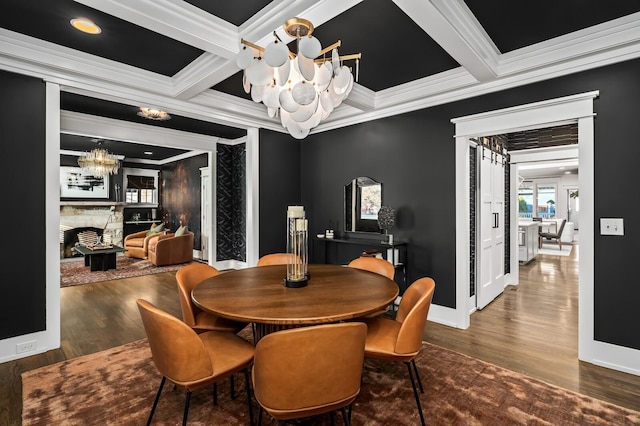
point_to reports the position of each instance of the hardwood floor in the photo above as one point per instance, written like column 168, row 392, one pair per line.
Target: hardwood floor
column 531, row 328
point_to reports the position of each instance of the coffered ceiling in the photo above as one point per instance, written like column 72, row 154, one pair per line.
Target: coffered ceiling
column 180, row 55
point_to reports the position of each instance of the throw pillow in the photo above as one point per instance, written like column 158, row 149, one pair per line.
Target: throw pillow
column 155, row 230
column 181, row 231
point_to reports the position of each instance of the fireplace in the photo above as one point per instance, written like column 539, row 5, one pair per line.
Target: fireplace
column 105, row 218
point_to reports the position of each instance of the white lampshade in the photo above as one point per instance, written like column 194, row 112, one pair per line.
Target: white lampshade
column 259, row 73
column 304, row 93
column 276, row 54
column 310, row 47
column 286, row 101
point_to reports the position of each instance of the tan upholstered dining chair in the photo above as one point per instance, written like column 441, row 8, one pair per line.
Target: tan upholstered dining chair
column 400, row 339
column 275, row 259
column 190, row 360
column 188, row 277
column 379, row 266
column 309, row 371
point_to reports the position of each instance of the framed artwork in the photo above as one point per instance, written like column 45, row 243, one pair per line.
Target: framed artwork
column 77, row 183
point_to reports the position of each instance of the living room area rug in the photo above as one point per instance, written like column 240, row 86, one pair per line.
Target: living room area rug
column 552, row 249
column 118, row 386
column 73, row 272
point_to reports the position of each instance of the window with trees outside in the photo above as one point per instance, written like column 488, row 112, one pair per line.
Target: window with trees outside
column 544, row 195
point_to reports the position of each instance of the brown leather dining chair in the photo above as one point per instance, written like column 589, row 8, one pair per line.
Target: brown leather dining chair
column 190, row 360
column 400, row 339
column 308, row 371
column 275, row 259
column 188, row 277
column 379, row 266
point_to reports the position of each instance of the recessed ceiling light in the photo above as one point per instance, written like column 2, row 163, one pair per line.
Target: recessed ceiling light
column 148, row 152
column 85, row 25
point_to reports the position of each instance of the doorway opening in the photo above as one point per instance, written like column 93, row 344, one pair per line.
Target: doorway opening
column 572, row 109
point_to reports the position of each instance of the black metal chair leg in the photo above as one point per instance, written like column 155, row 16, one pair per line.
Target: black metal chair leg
column 333, row 420
column 155, row 403
column 233, row 391
column 347, row 418
column 248, row 390
column 260, row 416
column 186, row 409
column 415, row 393
column 415, row 368
column 215, row 393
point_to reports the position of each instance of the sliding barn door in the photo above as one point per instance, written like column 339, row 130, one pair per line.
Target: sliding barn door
column 491, row 242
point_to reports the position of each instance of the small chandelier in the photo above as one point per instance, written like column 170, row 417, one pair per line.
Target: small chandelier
column 302, row 89
column 153, row 114
column 99, row 162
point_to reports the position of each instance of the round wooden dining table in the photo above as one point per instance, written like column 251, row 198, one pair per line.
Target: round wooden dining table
column 258, row 295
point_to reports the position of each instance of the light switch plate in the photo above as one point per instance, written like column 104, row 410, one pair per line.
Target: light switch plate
column 611, row 226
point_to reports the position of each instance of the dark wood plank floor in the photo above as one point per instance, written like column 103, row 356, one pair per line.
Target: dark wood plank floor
column 531, row 328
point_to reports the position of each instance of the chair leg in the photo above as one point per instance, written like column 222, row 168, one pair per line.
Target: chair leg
column 347, row 418
column 215, row 393
column 415, row 369
column 260, row 416
column 248, row 390
column 560, row 243
column 186, row 409
column 415, row 393
column 233, row 391
column 155, row 403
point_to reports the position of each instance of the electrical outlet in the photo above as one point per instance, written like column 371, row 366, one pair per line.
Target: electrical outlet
column 29, row 346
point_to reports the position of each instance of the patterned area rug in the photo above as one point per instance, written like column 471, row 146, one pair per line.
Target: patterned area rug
column 73, row 272
column 117, row 386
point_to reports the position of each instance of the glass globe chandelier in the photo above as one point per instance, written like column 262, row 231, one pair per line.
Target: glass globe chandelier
column 99, row 162
column 301, row 89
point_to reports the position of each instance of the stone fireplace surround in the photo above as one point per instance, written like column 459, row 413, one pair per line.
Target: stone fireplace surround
column 80, row 215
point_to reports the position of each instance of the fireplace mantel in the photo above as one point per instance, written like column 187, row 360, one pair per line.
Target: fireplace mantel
column 91, row 203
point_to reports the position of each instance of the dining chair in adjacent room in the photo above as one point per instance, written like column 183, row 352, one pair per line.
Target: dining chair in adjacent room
column 400, row 339
column 188, row 277
column 308, row 371
column 190, row 360
column 275, row 259
column 553, row 235
column 379, row 266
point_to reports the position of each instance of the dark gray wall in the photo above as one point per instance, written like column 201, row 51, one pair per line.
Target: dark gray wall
column 22, row 130
column 413, row 156
column 279, row 188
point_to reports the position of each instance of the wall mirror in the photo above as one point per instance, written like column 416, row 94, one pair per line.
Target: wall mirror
column 362, row 200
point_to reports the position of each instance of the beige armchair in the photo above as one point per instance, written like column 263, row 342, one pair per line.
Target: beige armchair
column 170, row 249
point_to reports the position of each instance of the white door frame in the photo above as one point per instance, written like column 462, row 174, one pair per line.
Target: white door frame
column 571, row 109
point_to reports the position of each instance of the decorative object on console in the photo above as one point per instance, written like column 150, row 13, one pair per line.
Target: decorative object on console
column 386, row 220
column 297, row 247
column 302, row 89
column 99, row 162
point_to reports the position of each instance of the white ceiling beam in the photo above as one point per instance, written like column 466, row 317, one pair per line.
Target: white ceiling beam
column 452, row 25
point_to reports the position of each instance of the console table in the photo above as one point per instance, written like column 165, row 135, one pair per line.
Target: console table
column 340, row 251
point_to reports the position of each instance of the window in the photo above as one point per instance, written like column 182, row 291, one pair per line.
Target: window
column 141, row 186
column 545, row 196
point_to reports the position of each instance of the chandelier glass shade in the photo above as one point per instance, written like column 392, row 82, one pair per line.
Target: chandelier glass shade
column 301, row 89
column 99, row 162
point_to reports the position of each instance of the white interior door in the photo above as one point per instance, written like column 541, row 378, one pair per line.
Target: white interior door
column 491, row 228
